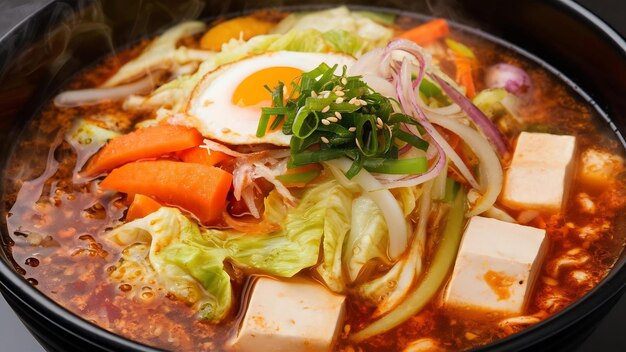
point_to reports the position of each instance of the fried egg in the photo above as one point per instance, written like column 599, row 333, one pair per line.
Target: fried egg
column 226, row 105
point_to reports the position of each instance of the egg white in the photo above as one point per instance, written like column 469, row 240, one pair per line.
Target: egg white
column 211, row 109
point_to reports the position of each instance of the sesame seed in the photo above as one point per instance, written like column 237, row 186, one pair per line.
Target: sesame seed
column 313, row 94
column 352, row 129
column 338, row 115
column 325, row 109
column 340, row 93
column 332, row 119
column 363, row 102
column 344, row 81
column 324, row 139
column 225, row 130
column 325, row 122
column 353, row 101
column 379, row 121
column 339, row 100
column 323, row 92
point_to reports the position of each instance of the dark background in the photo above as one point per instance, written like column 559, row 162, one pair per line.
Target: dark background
column 610, row 335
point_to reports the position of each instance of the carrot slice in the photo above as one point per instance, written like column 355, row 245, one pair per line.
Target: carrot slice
column 197, row 188
column 141, row 206
column 202, row 156
column 149, row 142
column 464, row 75
column 427, row 32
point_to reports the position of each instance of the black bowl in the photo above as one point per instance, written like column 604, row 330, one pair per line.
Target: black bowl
column 51, row 45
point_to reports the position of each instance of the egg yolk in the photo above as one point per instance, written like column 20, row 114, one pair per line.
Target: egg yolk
column 251, row 91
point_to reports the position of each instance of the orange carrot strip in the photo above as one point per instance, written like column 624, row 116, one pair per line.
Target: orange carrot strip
column 201, row 156
column 141, row 206
column 197, row 188
column 464, row 75
column 150, row 142
column 427, row 32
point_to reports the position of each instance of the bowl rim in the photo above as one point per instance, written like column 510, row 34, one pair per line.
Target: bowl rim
column 612, row 285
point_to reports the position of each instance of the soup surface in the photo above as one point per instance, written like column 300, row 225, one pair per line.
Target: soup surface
column 215, row 159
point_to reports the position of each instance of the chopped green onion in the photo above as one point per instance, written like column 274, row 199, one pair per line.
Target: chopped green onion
column 300, row 177
column 366, row 142
column 430, row 90
column 341, row 116
column 452, row 188
column 400, row 167
column 413, row 140
column 262, row 127
column 356, row 166
column 305, row 123
column 316, row 156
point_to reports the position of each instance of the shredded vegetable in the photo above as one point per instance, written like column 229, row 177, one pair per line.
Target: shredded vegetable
column 442, row 263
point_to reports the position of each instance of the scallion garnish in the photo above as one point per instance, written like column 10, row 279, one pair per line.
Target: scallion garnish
column 332, row 116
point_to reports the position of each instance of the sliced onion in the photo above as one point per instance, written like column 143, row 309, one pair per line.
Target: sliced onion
column 449, row 110
column 491, row 173
column 386, row 202
column 248, row 197
column 497, row 213
column 409, row 47
column 262, row 171
column 477, row 116
column 368, row 63
column 380, row 85
column 92, row 96
column 507, row 76
column 408, row 100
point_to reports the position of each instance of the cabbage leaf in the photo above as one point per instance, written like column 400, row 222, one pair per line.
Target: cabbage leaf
column 368, row 236
column 332, row 209
column 188, row 261
column 341, row 20
column 182, row 263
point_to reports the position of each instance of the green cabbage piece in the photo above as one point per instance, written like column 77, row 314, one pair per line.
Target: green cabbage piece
column 368, row 236
column 342, row 20
column 188, row 261
column 86, row 137
column 332, row 209
column 344, row 41
column 181, row 260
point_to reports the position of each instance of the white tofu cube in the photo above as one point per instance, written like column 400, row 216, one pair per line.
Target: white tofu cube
column 598, row 168
column 295, row 315
column 497, row 265
column 540, row 173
